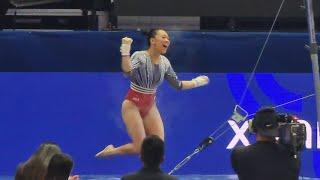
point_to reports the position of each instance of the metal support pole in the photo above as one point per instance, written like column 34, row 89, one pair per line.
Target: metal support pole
column 314, row 55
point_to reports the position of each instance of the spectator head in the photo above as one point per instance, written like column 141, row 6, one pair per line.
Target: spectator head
column 59, row 167
column 19, row 172
column 36, row 166
column 31, row 170
column 265, row 122
column 152, row 151
column 46, row 151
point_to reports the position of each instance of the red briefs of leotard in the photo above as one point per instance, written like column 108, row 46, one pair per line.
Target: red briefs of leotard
column 143, row 101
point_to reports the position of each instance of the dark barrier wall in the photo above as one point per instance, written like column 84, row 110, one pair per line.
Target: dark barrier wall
column 81, row 110
column 226, row 8
column 189, row 51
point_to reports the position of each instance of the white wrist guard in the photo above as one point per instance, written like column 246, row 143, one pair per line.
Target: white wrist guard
column 125, row 49
column 196, row 83
column 200, row 81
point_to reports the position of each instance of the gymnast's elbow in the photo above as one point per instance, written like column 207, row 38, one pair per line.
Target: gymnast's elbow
column 178, row 85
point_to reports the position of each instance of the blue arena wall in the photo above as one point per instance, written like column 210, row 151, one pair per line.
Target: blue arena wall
column 67, row 87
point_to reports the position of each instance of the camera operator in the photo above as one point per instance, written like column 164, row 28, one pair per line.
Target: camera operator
column 266, row 159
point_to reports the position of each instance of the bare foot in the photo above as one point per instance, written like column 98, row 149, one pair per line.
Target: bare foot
column 107, row 151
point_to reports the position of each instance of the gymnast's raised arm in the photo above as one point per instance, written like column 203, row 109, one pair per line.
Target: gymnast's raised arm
column 125, row 54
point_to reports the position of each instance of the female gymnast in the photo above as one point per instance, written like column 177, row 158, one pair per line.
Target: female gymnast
column 147, row 70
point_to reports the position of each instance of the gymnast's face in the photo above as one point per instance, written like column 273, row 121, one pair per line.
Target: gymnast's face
column 160, row 42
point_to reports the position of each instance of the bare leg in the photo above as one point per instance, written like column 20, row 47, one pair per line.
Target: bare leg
column 135, row 129
column 153, row 123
